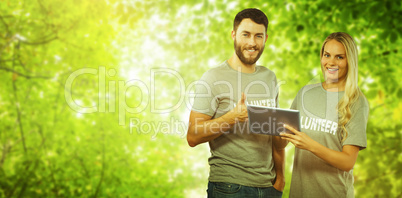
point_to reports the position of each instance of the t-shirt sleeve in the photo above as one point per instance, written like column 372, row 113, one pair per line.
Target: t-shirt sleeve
column 357, row 125
column 204, row 100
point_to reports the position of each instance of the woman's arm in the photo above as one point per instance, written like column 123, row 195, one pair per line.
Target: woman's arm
column 344, row 160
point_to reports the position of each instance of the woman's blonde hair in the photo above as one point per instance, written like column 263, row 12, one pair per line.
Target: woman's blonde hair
column 352, row 90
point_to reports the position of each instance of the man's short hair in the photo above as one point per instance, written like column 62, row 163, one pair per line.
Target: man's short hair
column 254, row 14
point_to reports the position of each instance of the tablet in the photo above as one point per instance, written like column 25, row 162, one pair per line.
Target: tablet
column 269, row 121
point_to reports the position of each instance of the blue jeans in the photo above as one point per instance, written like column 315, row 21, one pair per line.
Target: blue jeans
column 229, row 190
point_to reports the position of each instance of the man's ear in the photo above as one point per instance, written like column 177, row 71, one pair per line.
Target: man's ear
column 233, row 34
column 266, row 38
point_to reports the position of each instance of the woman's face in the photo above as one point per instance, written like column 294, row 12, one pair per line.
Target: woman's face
column 334, row 63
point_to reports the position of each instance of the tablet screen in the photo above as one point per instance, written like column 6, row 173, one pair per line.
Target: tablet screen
column 269, row 121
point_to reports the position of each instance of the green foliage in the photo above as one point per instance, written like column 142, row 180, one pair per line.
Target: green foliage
column 48, row 149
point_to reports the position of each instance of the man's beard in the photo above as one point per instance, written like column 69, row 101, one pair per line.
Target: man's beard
column 244, row 60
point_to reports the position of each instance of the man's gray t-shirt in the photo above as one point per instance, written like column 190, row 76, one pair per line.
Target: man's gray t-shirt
column 238, row 156
column 313, row 177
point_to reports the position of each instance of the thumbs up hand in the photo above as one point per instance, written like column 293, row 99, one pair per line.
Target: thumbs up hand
column 239, row 113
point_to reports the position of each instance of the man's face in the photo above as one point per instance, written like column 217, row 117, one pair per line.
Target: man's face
column 249, row 41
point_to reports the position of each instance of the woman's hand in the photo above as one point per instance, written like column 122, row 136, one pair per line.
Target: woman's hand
column 343, row 160
column 299, row 139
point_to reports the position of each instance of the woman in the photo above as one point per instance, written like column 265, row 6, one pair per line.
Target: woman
column 334, row 117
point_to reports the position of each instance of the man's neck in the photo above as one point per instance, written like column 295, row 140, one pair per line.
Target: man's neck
column 236, row 64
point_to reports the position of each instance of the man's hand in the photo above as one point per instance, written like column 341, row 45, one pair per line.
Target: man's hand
column 278, row 154
column 239, row 113
column 279, row 184
column 202, row 129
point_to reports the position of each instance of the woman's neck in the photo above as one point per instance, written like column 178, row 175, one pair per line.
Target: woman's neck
column 334, row 86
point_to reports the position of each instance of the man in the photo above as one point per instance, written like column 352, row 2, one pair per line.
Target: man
column 241, row 163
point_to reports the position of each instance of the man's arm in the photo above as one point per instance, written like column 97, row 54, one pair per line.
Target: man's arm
column 202, row 129
column 278, row 154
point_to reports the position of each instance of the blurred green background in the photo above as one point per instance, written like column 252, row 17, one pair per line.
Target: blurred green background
column 95, row 95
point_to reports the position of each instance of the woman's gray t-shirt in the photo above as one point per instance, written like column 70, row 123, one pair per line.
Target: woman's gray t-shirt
column 312, row 176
